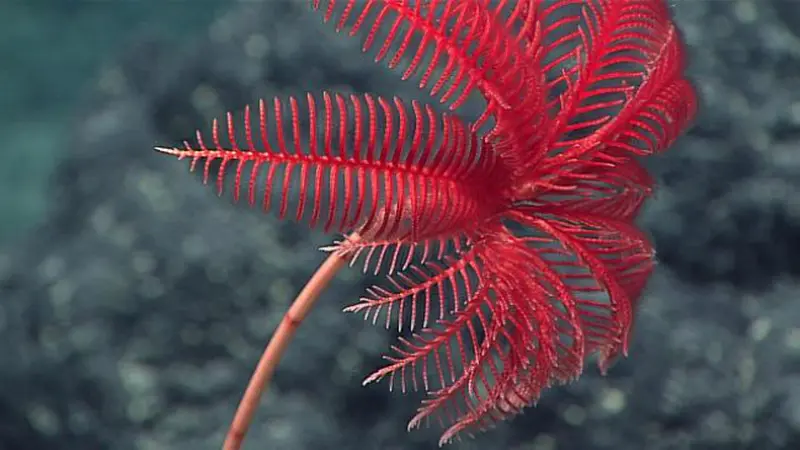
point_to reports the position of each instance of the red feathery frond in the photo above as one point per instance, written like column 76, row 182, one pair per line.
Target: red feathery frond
column 463, row 41
column 394, row 180
column 512, row 255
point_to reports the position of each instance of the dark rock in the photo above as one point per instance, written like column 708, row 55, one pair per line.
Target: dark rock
column 133, row 317
column 727, row 209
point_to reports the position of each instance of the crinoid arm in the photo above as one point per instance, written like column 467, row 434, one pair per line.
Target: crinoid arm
column 358, row 163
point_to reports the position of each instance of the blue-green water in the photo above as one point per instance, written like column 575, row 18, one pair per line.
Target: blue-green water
column 50, row 54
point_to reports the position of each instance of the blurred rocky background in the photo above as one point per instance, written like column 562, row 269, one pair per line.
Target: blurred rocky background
column 134, row 303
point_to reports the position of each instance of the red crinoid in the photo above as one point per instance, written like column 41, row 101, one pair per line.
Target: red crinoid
column 509, row 243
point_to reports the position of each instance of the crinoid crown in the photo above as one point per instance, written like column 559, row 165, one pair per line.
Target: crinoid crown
column 510, row 242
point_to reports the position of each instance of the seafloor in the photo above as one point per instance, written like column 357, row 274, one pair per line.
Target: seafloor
column 134, row 303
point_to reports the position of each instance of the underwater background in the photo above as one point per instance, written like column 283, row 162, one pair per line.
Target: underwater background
column 134, row 303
